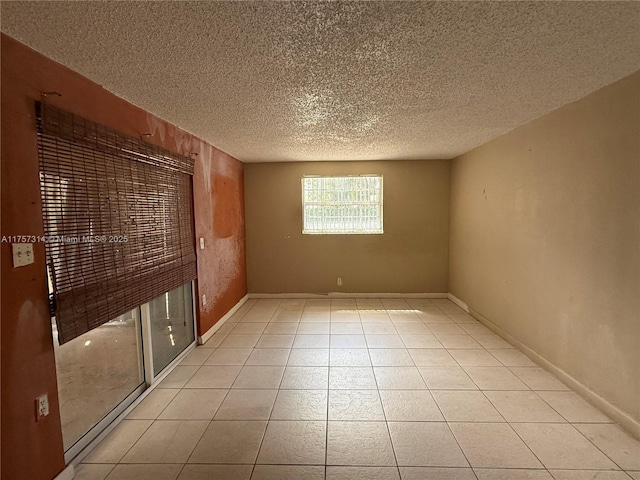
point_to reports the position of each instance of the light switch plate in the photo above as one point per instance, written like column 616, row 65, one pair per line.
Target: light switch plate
column 201, row 243
column 22, row 254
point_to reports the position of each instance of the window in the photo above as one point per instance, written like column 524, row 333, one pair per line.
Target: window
column 342, row 205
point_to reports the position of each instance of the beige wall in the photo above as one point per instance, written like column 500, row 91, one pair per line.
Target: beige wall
column 545, row 238
column 411, row 255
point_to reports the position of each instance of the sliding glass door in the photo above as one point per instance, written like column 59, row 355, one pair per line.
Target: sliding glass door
column 101, row 372
column 170, row 325
column 96, row 372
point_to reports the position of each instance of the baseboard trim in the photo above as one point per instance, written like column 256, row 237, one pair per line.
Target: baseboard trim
column 458, row 302
column 348, row 295
column 617, row 415
column 216, row 326
column 67, row 474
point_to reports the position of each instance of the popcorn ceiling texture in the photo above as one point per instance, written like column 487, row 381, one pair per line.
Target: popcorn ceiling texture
column 281, row 81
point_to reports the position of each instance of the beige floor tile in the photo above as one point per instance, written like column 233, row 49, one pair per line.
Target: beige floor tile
column 410, row 406
column 495, row 378
column 194, row 404
column 312, row 328
column 372, row 316
column 420, row 341
column 538, row 378
column 359, row 443
column 347, row 341
column 589, row 475
column 118, row 442
column 215, row 340
column 462, row 318
column 300, row 405
column 252, row 376
column 466, row 406
column 347, row 328
column 249, row 328
column 429, row 318
column 311, row 341
column 288, row 472
column 275, row 341
column 281, row 329
column 229, row 356
column 379, row 328
column 476, row 329
column 511, row 473
column 510, row 357
column 178, row 376
column 347, row 357
column 446, row 329
column 305, row 378
column 398, row 378
column 345, row 317
column 493, row 445
column 436, row 473
column 457, row 341
column 167, row 441
column 153, row 404
column 352, row 378
column 196, row 357
column 240, row 341
column 286, row 317
column 561, row 446
column 293, row 443
column 425, row 444
column 145, row 472
column 447, row 378
column 229, row 442
column 572, row 407
column 92, row 472
column 475, row 358
column 432, row 357
column 621, row 447
column 268, row 356
column 214, row 377
column 309, row 357
column 384, row 341
column 355, row 405
column 412, row 328
column 390, row 357
column 635, row 475
column 216, row 472
column 362, row 473
column 523, row 407
column 315, row 317
column 492, row 341
column 247, row 405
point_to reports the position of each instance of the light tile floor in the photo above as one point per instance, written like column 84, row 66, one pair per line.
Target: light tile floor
column 374, row 389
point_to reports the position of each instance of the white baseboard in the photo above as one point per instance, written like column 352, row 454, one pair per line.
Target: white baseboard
column 458, row 302
column 617, row 415
column 66, row 474
column 216, row 326
column 348, row 295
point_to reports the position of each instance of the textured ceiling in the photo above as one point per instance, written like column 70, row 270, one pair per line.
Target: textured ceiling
column 279, row 81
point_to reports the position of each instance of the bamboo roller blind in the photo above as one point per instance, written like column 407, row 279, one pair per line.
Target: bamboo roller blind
column 118, row 220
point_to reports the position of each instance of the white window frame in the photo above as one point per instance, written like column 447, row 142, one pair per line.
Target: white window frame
column 325, row 230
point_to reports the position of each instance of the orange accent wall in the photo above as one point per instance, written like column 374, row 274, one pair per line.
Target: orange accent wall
column 33, row 449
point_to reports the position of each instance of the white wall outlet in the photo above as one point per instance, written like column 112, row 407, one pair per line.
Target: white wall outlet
column 204, row 299
column 201, row 243
column 42, row 406
column 339, row 282
column 22, row 254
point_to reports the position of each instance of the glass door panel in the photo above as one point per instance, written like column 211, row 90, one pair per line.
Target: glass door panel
column 171, row 325
column 96, row 372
